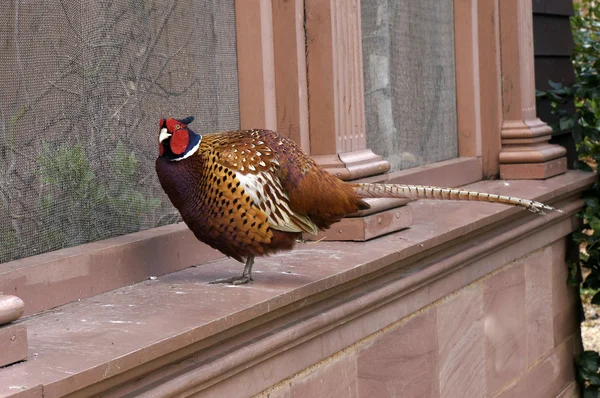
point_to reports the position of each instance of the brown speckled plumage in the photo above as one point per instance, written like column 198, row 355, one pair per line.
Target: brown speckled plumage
column 296, row 196
column 251, row 193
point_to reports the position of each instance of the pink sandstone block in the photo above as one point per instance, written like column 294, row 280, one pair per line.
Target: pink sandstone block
column 548, row 378
column 504, row 309
column 565, row 298
column 538, row 304
column 336, row 379
column 571, row 391
column 403, row 361
column 461, row 344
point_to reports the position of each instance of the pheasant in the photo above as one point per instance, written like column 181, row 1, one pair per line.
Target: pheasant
column 253, row 193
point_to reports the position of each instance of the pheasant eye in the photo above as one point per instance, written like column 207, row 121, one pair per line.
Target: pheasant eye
column 179, row 141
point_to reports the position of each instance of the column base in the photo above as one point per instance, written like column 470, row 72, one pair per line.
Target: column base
column 533, row 171
column 535, row 153
column 353, row 165
column 13, row 344
column 384, row 216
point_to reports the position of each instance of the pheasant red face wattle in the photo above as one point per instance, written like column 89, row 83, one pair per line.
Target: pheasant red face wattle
column 179, row 141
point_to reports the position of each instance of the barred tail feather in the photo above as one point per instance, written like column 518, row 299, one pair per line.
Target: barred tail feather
column 399, row 191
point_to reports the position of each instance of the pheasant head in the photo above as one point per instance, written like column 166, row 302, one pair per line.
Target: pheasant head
column 176, row 141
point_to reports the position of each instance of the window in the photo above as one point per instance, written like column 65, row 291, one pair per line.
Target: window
column 410, row 80
column 82, row 87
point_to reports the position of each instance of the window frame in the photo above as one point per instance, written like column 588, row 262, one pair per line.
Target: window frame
column 294, row 81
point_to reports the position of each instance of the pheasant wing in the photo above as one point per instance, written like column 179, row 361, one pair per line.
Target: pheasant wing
column 256, row 168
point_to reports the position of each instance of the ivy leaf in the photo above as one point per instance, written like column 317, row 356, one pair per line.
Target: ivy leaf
column 566, row 124
column 594, row 223
column 591, row 393
column 588, row 360
column 555, row 85
column 582, row 165
column 596, row 301
column 592, row 202
column 574, row 277
column 592, row 281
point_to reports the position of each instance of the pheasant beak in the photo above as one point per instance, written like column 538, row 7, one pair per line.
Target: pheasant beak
column 164, row 134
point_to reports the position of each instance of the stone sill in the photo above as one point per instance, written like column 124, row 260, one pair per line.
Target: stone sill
column 94, row 344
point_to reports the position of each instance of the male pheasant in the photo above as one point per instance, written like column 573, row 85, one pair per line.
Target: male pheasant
column 252, row 193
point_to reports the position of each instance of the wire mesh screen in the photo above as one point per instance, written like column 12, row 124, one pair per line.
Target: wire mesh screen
column 82, row 87
column 410, row 84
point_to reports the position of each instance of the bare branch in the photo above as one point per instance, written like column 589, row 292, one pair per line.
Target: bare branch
column 158, row 35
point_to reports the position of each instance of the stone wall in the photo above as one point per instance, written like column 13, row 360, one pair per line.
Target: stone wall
column 512, row 333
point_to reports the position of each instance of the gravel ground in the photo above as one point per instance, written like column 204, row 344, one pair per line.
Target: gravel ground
column 590, row 328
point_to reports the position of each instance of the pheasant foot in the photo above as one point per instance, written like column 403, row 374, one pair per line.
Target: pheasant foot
column 239, row 280
column 235, row 280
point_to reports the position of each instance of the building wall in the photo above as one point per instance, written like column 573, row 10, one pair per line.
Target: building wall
column 511, row 333
column 497, row 337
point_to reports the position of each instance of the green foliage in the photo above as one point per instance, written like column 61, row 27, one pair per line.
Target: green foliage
column 588, row 364
column 584, row 122
column 9, row 245
column 98, row 206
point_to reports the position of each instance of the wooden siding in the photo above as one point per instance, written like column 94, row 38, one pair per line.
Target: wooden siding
column 553, row 46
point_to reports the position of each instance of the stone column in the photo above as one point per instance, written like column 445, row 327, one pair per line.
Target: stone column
column 332, row 47
column 256, row 68
column 336, row 94
column 526, row 153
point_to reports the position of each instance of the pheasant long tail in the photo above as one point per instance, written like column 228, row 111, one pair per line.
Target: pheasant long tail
column 368, row 190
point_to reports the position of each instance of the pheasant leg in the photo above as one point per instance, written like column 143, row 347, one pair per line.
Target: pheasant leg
column 239, row 280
